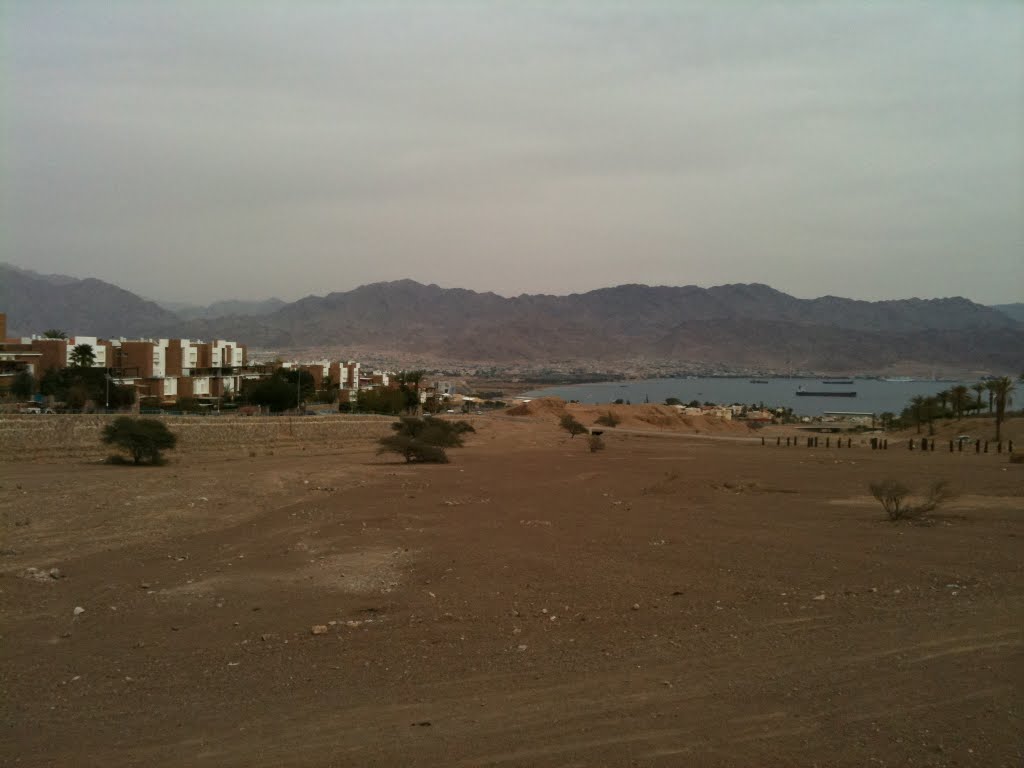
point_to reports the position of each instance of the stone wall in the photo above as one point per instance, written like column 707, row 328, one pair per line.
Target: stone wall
column 53, row 436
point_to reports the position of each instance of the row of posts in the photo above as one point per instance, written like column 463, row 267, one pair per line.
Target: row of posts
column 882, row 444
column 815, row 442
column 980, row 446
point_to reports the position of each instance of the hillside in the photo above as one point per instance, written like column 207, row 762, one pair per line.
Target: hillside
column 741, row 325
column 35, row 302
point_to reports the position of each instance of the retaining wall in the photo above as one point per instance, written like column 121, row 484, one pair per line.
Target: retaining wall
column 51, row 436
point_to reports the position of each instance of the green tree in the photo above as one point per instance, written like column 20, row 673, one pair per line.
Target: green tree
column 959, row 397
column 979, row 387
column 381, row 400
column 409, row 386
column 23, row 386
column 1002, row 389
column 608, row 420
column 569, row 423
column 917, row 406
column 82, row 356
column 424, row 440
column 53, row 333
column 931, row 412
column 673, row 401
column 990, row 385
column 887, row 418
column 941, row 399
column 275, row 392
column 142, row 439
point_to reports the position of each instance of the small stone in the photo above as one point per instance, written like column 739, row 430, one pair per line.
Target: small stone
column 521, row 648
column 266, row 636
column 636, row 606
column 819, row 597
column 319, row 629
column 144, row 585
column 56, row 573
column 79, row 610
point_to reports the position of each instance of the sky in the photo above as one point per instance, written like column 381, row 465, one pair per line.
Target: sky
column 196, row 151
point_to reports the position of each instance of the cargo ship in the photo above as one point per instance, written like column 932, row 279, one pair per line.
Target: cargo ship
column 830, row 393
column 837, row 381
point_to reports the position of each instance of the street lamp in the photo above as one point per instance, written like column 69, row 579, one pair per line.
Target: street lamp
column 107, row 377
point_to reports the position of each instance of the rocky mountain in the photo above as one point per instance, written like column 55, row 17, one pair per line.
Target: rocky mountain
column 35, row 302
column 738, row 324
column 743, row 324
column 226, row 308
column 1015, row 311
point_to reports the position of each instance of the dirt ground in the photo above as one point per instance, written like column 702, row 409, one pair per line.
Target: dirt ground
column 671, row 600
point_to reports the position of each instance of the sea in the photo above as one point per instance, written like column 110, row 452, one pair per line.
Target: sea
column 873, row 395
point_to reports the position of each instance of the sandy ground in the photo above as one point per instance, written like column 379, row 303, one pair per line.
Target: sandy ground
column 667, row 601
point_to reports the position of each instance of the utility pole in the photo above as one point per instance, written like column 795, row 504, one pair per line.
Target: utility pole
column 107, row 378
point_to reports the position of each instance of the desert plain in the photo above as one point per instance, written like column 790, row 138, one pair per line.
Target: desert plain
column 686, row 596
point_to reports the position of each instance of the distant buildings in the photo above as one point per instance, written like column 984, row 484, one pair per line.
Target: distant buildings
column 165, row 370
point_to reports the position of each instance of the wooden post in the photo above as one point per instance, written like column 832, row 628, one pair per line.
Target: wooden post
column 762, row 440
column 986, row 447
column 778, row 440
column 910, row 444
column 999, row 447
column 977, row 446
column 932, row 445
column 885, row 444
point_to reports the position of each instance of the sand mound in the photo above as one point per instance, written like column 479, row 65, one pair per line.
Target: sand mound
column 550, row 407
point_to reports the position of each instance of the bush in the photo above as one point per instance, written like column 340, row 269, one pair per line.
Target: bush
column 142, row 439
column 893, row 496
column 608, row 420
column 413, row 449
column 424, row 440
column 595, row 443
column 571, row 425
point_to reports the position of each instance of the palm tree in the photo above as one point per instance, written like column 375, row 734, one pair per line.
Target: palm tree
column 53, row 333
column 958, row 395
column 1001, row 389
column 943, row 397
column 990, row 385
column 979, row 388
column 917, row 404
column 82, row 356
column 931, row 405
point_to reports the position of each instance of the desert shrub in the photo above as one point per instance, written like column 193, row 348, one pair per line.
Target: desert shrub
column 894, row 497
column 142, row 439
column 595, row 443
column 424, row 440
column 608, row 420
column 413, row 449
column 569, row 423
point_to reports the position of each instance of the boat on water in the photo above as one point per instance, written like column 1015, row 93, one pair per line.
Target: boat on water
column 801, row 392
column 903, row 379
column 759, row 381
column 837, row 381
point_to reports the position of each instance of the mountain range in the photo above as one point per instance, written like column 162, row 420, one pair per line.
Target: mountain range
column 741, row 324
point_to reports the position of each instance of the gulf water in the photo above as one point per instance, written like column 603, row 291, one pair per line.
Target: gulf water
column 873, row 395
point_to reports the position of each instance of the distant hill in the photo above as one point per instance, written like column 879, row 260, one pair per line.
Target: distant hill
column 1016, row 311
column 90, row 307
column 742, row 324
column 225, row 308
column 732, row 324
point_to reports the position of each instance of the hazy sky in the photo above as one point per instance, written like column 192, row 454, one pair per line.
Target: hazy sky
column 199, row 151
